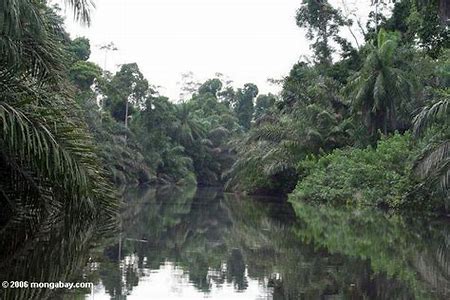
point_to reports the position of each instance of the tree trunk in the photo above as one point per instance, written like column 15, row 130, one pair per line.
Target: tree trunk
column 126, row 119
column 444, row 10
column 126, row 114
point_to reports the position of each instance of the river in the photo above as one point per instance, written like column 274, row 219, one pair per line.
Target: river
column 200, row 243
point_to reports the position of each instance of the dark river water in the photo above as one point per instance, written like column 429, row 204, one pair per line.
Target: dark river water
column 203, row 244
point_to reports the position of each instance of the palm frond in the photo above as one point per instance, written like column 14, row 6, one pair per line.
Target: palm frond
column 387, row 44
column 81, row 10
column 435, row 164
column 432, row 157
column 33, row 47
column 269, row 132
column 27, row 140
column 430, row 114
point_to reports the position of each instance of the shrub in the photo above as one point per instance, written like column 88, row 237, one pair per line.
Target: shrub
column 380, row 176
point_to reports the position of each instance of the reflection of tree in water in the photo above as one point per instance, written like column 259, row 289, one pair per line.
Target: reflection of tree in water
column 199, row 238
column 319, row 258
column 236, row 270
column 111, row 277
column 50, row 247
column 412, row 250
column 221, row 239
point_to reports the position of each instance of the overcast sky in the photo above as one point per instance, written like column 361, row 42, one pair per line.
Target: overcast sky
column 247, row 40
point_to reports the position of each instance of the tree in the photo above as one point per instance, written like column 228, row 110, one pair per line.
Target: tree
column 48, row 161
column 244, row 104
column 427, row 22
column 421, row 21
column 379, row 88
column 211, row 153
column 322, row 22
column 83, row 74
column 311, row 120
column 433, row 165
column 126, row 92
column 212, row 86
column 187, row 127
column 80, row 48
column 263, row 104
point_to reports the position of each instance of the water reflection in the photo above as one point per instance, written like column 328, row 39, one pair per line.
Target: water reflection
column 414, row 251
column 191, row 244
column 48, row 247
column 199, row 243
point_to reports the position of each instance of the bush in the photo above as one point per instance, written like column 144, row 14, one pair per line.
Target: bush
column 380, row 176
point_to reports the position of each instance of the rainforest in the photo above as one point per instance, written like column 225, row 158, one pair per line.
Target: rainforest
column 335, row 187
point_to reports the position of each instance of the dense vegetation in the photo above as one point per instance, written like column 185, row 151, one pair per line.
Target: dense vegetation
column 359, row 122
column 48, row 161
column 365, row 125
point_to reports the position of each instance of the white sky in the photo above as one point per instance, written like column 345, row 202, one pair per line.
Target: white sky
column 247, row 40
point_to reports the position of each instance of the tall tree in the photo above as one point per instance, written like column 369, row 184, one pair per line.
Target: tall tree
column 47, row 158
column 83, row 74
column 126, row 92
column 433, row 164
column 188, row 127
column 421, row 21
column 322, row 22
column 212, row 86
column 80, row 48
column 379, row 88
column 263, row 104
column 244, row 106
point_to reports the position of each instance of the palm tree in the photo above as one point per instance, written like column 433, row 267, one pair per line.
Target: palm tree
column 47, row 158
column 434, row 163
column 277, row 143
column 187, row 127
column 379, row 88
